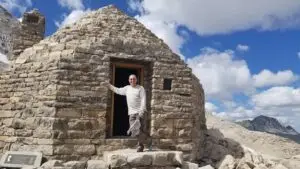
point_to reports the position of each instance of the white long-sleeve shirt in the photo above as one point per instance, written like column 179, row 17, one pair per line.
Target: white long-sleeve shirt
column 135, row 97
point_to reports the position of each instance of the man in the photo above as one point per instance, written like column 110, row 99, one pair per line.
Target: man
column 136, row 103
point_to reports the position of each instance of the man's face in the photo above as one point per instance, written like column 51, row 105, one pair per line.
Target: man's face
column 132, row 80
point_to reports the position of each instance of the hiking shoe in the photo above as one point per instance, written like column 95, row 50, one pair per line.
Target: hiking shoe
column 140, row 148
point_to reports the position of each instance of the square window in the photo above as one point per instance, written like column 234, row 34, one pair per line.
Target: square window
column 167, row 84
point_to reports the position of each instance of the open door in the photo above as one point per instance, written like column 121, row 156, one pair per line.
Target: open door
column 119, row 114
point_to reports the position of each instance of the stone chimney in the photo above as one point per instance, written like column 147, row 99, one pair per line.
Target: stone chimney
column 32, row 31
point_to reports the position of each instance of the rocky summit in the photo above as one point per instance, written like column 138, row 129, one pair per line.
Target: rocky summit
column 53, row 100
column 271, row 125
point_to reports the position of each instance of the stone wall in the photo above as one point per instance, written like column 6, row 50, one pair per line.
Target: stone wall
column 198, row 98
column 28, row 94
column 60, row 106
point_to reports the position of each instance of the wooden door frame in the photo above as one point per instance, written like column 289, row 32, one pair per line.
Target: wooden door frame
column 141, row 82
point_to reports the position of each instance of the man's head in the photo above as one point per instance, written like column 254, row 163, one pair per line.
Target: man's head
column 132, row 80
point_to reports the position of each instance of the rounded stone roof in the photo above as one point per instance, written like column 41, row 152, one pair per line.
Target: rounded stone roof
column 107, row 22
column 105, row 26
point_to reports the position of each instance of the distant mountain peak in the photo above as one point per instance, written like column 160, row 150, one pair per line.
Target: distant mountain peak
column 268, row 124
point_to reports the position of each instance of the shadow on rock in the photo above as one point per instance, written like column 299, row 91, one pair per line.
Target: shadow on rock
column 217, row 147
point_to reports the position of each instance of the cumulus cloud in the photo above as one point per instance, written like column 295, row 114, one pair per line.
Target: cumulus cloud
column 77, row 11
column 268, row 78
column 210, row 107
column 238, row 113
column 242, row 48
column 287, row 115
column 221, row 74
column 71, row 18
column 19, row 6
column 278, row 96
column 165, row 31
column 3, row 58
column 220, row 17
column 71, row 4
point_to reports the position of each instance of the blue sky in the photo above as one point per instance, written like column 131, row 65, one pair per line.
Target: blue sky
column 245, row 53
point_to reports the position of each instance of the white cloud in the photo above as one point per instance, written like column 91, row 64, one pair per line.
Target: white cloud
column 238, row 113
column 278, row 96
column 71, row 18
column 210, row 107
column 242, row 48
column 77, row 11
column 268, row 78
column 20, row 19
column 72, row 4
column 219, row 17
column 165, row 31
column 221, row 74
column 19, row 6
column 286, row 115
column 3, row 58
column 298, row 55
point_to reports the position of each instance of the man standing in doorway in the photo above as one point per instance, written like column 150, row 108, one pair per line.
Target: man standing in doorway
column 136, row 103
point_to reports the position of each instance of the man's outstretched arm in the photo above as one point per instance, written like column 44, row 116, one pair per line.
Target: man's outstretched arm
column 120, row 91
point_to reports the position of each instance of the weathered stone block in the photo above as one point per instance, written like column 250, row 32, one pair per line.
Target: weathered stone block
column 75, row 134
column 167, row 159
column 45, row 149
column 162, row 123
column 23, row 133
column 77, row 141
column 40, row 133
column 6, row 114
column 183, row 123
column 51, row 164
column 93, row 113
column 84, row 149
column 76, row 164
column 96, row 164
column 139, row 159
column 189, row 165
column 68, row 112
column 63, row 150
column 184, row 147
column 163, row 133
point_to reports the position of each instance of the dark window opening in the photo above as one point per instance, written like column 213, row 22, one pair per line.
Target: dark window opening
column 167, row 84
column 32, row 19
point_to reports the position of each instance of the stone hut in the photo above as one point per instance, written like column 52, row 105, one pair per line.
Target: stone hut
column 52, row 99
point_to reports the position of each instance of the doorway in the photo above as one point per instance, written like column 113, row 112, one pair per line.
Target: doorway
column 119, row 116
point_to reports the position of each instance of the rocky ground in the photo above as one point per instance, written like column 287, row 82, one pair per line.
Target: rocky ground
column 228, row 146
column 231, row 146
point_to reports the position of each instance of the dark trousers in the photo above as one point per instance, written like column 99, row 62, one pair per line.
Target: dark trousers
column 144, row 135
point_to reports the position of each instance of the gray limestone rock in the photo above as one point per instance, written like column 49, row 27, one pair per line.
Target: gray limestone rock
column 206, row 167
column 189, row 165
column 51, row 164
column 76, row 164
column 96, row 164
